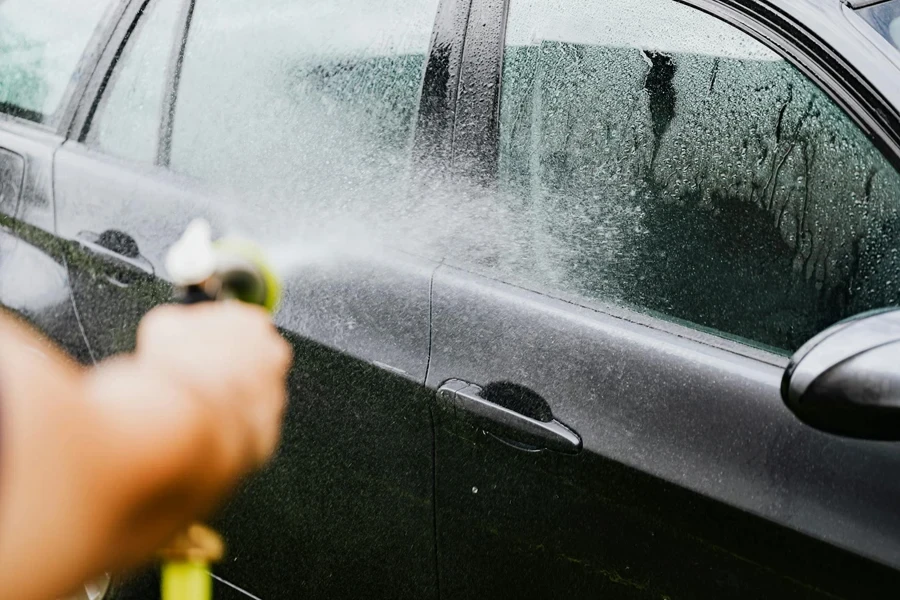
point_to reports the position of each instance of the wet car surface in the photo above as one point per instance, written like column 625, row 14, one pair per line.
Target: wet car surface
column 545, row 263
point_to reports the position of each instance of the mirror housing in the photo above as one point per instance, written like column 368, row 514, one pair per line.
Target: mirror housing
column 846, row 380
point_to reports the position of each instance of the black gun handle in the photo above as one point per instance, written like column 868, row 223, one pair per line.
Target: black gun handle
column 194, row 294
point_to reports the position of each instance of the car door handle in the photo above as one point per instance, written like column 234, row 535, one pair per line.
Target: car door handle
column 118, row 256
column 473, row 407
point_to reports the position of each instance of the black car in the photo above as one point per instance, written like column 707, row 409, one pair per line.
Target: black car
column 546, row 262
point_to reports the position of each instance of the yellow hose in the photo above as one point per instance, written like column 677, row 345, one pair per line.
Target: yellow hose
column 188, row 580
column 186, row 563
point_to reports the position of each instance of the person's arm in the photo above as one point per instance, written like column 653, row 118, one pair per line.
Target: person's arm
column 99, row 468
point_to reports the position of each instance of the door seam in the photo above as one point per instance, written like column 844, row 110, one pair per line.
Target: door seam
column 431, row 320
column 81, row 329
column 65, row 257
column 434, row 513
column 434, row 518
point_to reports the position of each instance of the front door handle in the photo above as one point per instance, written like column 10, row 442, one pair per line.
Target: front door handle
column 473, row 407
column 117, row 255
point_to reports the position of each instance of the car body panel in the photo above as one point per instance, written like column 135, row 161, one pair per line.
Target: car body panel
column 674, row 431
column 33, row 279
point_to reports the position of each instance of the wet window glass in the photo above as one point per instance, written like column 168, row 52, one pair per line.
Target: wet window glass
column 290, row 102
column 127, row 121
column 885, row 19
column 41, row 44
column 662, row 160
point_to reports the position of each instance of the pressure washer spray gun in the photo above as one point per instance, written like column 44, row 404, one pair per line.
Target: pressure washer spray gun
column 207, row 271
column 229, row 268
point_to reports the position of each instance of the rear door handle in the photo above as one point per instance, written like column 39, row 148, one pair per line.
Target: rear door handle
column 473, row 407
column 118, row 255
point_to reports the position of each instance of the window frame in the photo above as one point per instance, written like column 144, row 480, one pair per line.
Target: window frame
column 436, row 120
column 107, row 70
column 173, row 79
column 86, row 111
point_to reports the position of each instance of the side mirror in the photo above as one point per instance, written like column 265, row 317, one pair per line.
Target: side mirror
column 846, row 380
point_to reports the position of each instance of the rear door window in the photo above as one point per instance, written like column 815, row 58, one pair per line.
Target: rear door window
column 128, row 119
column 300, row 103
column 41, row 44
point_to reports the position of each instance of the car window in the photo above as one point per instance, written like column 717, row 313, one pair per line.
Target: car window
column 654, row 157
column 292, row 102
column 41, row 43
column 885, row 19
column 127, row 121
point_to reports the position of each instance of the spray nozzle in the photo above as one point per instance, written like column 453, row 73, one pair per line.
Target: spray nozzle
column 192, row 259
column 228, row 268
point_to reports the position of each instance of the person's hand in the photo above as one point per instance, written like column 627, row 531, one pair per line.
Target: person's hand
column 229, row 356
column 196, row 407
column 103, row 466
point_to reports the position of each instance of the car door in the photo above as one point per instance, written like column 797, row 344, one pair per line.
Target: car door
column 680, row 208
column 197, row 109
column 40, row 71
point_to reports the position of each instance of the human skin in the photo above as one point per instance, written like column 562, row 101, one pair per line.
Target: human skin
column 101, row 466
